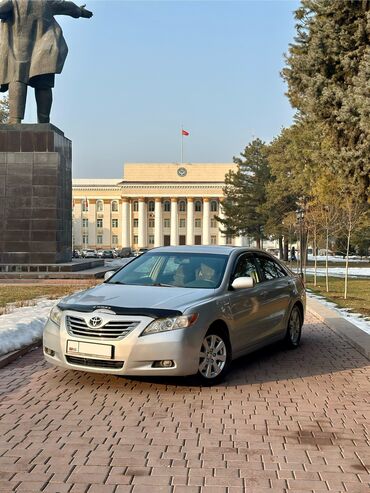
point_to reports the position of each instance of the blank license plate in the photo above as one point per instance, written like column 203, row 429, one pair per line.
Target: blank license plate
column 89, row 349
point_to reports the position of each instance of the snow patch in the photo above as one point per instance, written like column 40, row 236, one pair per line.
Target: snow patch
column 24, row 325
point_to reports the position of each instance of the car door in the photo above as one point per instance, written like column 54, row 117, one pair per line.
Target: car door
column 245, row 305
column 276, row 288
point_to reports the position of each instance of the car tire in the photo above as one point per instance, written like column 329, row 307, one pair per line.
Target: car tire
column 215, row 357
column 294, row 329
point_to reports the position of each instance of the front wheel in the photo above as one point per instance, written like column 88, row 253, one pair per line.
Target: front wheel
column 294, row 330
column 214, row 358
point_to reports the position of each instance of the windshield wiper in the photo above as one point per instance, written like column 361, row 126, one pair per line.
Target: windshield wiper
column 162, row 285
column 116, row 282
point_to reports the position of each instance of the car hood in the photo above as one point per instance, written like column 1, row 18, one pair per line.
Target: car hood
column 153, row 301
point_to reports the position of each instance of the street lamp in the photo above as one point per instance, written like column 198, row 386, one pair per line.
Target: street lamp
column 300, row 218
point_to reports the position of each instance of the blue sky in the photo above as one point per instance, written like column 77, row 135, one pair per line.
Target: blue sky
column 138, row 70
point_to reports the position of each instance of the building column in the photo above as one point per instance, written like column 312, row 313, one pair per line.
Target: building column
column 142, row 223
column 107, row 225
column 206, row 237
column 77, row 224
column 190, row 221
column 126, row 226
column 158, row 223
column 174, row 222
column 221, row 237
column 91, row 216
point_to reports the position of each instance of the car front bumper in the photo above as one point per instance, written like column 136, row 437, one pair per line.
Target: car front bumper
column 133, row 354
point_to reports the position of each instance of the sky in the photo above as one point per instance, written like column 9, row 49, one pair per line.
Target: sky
column 139, row 70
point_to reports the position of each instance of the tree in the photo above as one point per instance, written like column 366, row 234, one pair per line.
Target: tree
column 245, row 193
column 327, row 72
column 4, row 110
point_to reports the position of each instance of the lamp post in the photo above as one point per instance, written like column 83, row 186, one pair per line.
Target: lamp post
column 300, row 218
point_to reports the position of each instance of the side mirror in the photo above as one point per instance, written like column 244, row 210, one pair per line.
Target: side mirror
column 108, row 274
column 242, row 283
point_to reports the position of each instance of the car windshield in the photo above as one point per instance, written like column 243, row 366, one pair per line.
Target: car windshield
column 185, row 270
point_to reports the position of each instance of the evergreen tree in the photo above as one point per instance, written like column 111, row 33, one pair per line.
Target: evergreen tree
column 245, row 193
column 328, row 71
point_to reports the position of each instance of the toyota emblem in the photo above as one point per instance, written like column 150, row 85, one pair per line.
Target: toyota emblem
column 95, row 321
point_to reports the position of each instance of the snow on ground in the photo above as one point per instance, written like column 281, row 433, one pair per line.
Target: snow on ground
column 117, row 263
column 24, row 325
column 336, row 258
column 357, row 319
column 340, row 271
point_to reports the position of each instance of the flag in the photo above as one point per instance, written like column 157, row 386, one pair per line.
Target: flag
column 184, row 132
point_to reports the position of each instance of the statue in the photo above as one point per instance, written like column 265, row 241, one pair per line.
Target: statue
column 32, row 51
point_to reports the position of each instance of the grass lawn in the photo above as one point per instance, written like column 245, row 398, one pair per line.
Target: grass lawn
column 358, row 298
column 21, row 294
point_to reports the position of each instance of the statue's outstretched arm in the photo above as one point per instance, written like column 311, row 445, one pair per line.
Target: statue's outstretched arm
column 64, row 7
column 6, row 7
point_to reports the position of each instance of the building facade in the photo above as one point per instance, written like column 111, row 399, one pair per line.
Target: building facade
column 155, row 204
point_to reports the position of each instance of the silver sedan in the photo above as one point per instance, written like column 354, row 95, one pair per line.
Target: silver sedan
column 178, row 311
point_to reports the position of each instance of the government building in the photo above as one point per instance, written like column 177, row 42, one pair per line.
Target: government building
column 155, row 204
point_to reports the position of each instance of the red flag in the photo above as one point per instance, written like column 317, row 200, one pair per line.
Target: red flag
column 184, row 132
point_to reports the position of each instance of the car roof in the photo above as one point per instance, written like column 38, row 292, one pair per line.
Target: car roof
column 212, row 249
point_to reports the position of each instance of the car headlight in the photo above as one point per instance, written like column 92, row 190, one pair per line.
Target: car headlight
column 166, row 324
column 56, row 315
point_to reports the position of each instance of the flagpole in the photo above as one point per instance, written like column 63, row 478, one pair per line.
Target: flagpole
column 182, row 144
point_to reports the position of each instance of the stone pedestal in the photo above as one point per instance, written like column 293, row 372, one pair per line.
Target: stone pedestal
column 35, row 195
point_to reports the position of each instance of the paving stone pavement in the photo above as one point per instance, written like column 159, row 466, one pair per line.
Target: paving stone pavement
column 284, row 421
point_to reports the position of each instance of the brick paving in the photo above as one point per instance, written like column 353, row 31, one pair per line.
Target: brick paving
column 284, row 421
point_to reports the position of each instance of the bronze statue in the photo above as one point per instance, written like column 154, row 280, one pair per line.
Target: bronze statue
column 32, row 51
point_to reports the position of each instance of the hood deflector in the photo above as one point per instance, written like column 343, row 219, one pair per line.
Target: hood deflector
column 119, row 310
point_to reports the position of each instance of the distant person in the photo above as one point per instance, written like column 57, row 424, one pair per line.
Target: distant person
column 32, row 51
column 293, row 257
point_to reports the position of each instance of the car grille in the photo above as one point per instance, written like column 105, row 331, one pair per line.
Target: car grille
column 94, row 363
column 114, row 329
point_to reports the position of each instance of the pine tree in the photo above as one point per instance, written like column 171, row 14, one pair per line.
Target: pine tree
column 328, row 72
column 245, row 193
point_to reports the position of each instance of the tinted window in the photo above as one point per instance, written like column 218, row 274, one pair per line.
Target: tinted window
column 270, row 268
column 245, row 267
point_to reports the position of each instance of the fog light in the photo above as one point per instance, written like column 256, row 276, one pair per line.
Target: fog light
column 165, row 363
column 49, row 351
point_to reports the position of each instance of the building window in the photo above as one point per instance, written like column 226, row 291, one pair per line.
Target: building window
column 151, row 206
column 182, row 223
column 213, row 240
column 182, row 206
column 198, row 223
column 114, row 240
column 114, row 223
column 214, row 206
column 136, row 239
column 85, row 239
column 114, row 206
column 136, row 223
column 99, row 206
column 213, row 223
column 229, row 240
column 151, row 239
column 85, row 205
column 166, row 223
column 151, row 223
column 99, row 240
column 167, row 206
column 135, row 206
column 198, row 206
column 99, row 223
column 85, row 223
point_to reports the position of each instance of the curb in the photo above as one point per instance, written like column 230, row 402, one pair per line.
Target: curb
column 359, row 339
column 8, row 358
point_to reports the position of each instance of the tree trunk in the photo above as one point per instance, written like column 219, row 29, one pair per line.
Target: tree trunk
column 281, row 253
column 286, row 249
column 258, row 242
column 347, row 262
column 315, row 253
column 326, row 260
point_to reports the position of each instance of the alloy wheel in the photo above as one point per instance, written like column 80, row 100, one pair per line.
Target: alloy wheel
column 213, row 356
